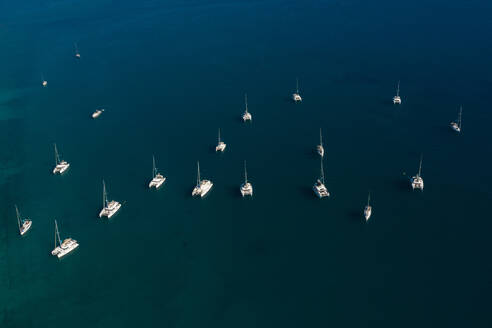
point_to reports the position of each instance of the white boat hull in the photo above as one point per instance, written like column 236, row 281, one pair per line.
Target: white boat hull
column 60, row 252
column 367, row 212
column 246, row 189
column 321, row 191
column 61, row 168
column 397, row 100
column 296, row 97
column 156, row 183
column 220, row 147
column 110, row 210
column 25, row 227
column 455, row 127
column 203, row 189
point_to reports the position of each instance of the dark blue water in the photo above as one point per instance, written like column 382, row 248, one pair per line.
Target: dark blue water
column 169, row 73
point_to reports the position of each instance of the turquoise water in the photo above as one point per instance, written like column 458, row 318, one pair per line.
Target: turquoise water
column 169, row 74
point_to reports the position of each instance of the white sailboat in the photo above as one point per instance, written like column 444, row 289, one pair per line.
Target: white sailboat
column 319, row 187
column 221, row 146
column 247, row 115
column 202, row 186
column 157, row 178
column 296, row 96
column 60, row 165
column 368, row 208
column 319, row 148
column 397, row 99
column 417, row 181
column 45, row 83
column 109, row 207
column 456, row 126
column 97, row 113
column 246, row 187
column 77, row 53
column 24, row 224
column 65, row 247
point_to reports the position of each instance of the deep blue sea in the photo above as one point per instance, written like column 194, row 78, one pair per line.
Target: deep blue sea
column 169, row 74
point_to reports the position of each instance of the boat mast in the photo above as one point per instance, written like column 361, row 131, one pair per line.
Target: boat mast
column 246, row 101
column 219, row 135
column 245, row 173
column 57, row 233
column 322, row 171
column 398, row 89
column 420, row 165
column 76, row 48
column 459, row 117
column 297, row 85
column 105, row 200
column 18, row 217
column 198, row 175
column 154, row 170
column 320, row 138
column 57, row 157
column 368, row 199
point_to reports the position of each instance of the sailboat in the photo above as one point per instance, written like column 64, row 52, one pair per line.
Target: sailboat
column 109, row 208
column 397, row 99
column 247, row 115
column 60, row 166
column 202, row 186
column 319, row 187
column 368, row 208
column 417, row 181
column 77, row 53
column 65, row 247
column 157, row 178
column 246, row 187
column 97, row 113
column 319, row 148
column 296, row 96
column 45, row 83
column 24, row 224
column 221, row 146
column 456, row 126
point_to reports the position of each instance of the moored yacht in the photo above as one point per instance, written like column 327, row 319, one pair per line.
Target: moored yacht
column 60, row 165
column 246, row 187
column 456, row 126
column 319, row 187
column 397, row 99
column 368, row 208
column 221, row 146
column 77, row 53
column 417, row 181
column 109, row 207
column 157, row 178
column 65, row 247
column 296, row 96
column 97, row 113
column 202, row 186
column 24, row 224
column 319, row 148
column 247, row 115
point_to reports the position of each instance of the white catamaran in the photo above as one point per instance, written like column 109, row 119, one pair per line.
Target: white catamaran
column 65, row 247
column 60, row 166
column 97, row 113
column 157, row 178
column 417, row 181
column 221, row 146
column 319, row 187
column 319, row 148
column 368, row 208
column 24, row 224
column 456, row 126
column 296, row 96
column 202, row 186
column 247, row 115
column 246, row 187
column 397, row 99
column 109, row 207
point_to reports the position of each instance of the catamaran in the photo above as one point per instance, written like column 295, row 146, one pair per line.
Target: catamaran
column 368, row 208
column 24, row 224
column 109, row 208
column 456, row 126
column 247, row 115
column 319, row 187
column 60, row 166
column 319, row 148
column 397, row 99
column 64, row 247
column 417, row 181
column 296, row 96
column 45, row 83
column 221, row 146
column 77, row 53
column 97, row 113
column 246, row 187
column 202, row 186
column 157, row 178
